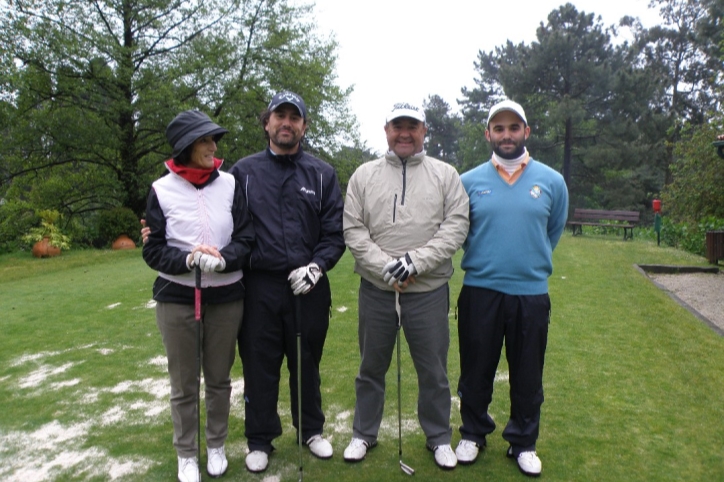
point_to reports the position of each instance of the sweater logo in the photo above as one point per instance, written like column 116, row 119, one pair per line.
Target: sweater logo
column 307, row 191
column 535, row 192
column 484, row 192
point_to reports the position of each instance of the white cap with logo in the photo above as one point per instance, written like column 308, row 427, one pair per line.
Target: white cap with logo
column 405, row 109
column 510, row 106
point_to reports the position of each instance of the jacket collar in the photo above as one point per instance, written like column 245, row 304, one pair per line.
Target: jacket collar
column 392, row 158
column 285, row 157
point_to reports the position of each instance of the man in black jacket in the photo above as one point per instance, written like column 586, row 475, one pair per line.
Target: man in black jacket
column 296, row 206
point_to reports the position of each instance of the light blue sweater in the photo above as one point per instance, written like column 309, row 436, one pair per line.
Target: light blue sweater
column 513, row 228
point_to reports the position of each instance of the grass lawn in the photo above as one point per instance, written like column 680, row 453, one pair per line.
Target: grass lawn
column 633, row 382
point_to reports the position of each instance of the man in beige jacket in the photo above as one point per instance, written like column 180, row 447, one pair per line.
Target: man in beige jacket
column 405, row 216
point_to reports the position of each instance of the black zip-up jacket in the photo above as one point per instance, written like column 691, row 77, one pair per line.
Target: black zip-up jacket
column 296, row 207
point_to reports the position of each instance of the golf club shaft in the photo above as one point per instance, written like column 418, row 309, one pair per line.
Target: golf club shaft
column 298, row 322
column 405, row 468
column 197, row 317
column 399, row 376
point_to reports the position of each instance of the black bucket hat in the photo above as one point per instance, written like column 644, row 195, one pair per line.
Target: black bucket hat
column 188, row 126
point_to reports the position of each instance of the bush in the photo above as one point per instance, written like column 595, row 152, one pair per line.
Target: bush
column 114, row 222
column 16, row 218
column 698, row 175
column 48, row 229
column 689, row 237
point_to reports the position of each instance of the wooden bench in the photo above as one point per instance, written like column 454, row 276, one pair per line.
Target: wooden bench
column 626, row 220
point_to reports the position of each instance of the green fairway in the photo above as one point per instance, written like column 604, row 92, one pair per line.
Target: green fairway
column 633, row 382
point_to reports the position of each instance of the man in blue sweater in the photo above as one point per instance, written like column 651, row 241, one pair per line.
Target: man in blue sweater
column 518, row 209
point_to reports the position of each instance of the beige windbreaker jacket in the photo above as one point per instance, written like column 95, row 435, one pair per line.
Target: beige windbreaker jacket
column 418, row 206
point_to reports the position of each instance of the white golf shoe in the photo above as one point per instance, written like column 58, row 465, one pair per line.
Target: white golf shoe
column 319, row 447
column 528, row 462
column 357, row 450
column 216, row 462
column 188, row 469
column 257, row 461
column 467, row 451
column 444, row 456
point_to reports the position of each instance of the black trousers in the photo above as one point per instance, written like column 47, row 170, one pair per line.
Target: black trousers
column 487, row 318
column 268, row 334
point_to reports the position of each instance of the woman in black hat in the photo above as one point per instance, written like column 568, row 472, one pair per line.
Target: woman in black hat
column 198, row 219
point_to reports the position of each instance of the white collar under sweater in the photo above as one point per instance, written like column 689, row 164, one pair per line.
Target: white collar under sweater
column 511, row 165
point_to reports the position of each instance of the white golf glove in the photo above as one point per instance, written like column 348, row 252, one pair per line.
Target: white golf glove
column 206, row 262
column 303, row 279
column 398, row 270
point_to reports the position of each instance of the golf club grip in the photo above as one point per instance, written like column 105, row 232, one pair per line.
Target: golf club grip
column 298, row 315
column 197, row 295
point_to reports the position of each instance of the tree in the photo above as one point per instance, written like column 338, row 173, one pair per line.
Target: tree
column 443, row 130
column 697, row 176
column 587, row 103
column 683, row 55
column 89, row 87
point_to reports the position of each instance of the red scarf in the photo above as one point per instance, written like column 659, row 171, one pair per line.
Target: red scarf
column 192, row 175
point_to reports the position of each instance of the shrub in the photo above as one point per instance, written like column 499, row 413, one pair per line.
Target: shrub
column 16, row 218
column 48, row 229
column 116, row 221
column 689, row 237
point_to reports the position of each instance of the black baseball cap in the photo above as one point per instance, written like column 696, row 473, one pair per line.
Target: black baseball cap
column 287, row 97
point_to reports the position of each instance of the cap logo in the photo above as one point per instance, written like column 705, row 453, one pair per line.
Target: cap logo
column 405, row 105
column 289, row 97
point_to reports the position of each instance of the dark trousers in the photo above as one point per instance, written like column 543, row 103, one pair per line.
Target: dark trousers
column 487, row 318
column 268, row 334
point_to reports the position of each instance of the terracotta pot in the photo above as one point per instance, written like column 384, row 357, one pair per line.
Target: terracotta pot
column 43, row 249
column 123, row 242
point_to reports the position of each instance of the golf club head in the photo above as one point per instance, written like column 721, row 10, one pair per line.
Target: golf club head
column 406, row 468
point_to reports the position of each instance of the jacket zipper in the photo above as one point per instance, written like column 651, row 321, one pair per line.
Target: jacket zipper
column 404, row 181
column 246, row 195
column 394, row 208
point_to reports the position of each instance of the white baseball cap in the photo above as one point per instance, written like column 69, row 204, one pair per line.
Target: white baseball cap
column 406, row 109
column 508, row 105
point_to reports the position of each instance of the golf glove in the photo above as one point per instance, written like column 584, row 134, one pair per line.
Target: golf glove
column 207, row 263
column 398, row 270
column 303, row 279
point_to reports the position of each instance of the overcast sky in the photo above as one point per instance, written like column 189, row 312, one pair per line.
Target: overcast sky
column 406, row 50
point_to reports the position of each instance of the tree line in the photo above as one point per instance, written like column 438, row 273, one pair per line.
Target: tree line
column 608, row 113
column 87, row 88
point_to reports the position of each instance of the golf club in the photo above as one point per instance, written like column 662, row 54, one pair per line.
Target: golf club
column 197, row 317
column 298, row 323
column 405, row 468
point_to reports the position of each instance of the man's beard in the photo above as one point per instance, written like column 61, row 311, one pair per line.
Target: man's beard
column 519, row 150
column 286, row 143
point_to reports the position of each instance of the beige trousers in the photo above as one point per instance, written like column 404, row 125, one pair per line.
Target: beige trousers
column 219, row 329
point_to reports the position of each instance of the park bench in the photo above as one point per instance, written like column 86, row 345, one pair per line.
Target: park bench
column 625, row 220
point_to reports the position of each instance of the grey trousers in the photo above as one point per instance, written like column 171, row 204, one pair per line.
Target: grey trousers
column 219, row 329
column 426, row 329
